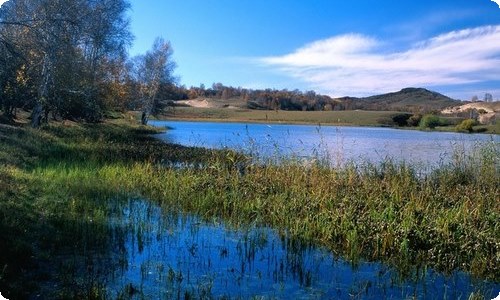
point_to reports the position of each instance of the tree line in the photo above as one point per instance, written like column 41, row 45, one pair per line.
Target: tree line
column 68, row 59
column 266, row 99
column 415, row 100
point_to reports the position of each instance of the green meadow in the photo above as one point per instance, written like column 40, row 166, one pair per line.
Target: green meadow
column 353, row 118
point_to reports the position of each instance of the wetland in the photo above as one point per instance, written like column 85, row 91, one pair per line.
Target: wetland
column 104, row 211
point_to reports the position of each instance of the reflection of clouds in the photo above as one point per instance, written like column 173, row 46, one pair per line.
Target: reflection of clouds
column 355, row 63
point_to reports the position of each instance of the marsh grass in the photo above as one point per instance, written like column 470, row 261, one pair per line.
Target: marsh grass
column 55, row 183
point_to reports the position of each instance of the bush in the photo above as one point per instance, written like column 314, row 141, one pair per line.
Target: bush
column 414, row 120
column 466, row 125
column 430, row 121
column 401, row 119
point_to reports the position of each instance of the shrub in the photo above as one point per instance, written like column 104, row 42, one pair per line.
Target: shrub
column 466, row 125
column 430, row 121
column 401, row 119
column 414, row 120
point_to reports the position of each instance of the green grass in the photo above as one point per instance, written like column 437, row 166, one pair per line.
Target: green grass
column 54, row 184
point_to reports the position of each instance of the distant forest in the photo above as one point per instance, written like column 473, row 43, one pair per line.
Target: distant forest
column 268, row 99
column 417, row 100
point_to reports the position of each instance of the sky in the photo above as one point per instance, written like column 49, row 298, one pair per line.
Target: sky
column 338, row 48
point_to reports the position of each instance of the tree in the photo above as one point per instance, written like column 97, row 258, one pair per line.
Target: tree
column 488, row 97
column 153, row 70
column 414, row 120
column 430, row 121
column 15, row 89
column 106, row 36
column 466, row 125
column 401, row 119
column 64, row 49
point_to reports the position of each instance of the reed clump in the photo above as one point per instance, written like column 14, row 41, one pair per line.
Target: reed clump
column 447, row 219
column 55, row 180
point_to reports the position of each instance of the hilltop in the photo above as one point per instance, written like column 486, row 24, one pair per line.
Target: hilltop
column 408, row 99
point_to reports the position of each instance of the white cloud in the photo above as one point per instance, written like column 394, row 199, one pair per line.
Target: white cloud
column 355, row 64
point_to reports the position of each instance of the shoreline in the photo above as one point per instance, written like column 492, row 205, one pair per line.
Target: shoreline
column 450, row 129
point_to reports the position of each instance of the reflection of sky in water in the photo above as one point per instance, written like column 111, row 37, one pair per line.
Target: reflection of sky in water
column 338, row 143
column 167, row 255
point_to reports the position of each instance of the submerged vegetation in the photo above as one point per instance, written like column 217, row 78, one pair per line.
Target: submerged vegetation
column 54, row 183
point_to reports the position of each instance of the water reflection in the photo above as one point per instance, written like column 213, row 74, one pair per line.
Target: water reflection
column 164, row 255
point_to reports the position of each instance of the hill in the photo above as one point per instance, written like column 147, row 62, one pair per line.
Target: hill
column 408, row 99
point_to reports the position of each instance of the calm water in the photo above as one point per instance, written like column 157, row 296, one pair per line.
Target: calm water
column 155, row 254
column 339, row 144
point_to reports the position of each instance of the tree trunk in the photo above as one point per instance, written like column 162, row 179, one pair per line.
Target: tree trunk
column 36, row 115
column 144, row 117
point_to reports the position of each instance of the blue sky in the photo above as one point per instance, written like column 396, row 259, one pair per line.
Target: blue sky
column 338, row 48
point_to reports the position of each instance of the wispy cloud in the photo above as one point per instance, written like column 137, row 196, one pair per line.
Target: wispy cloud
column 355, row 64
column 417, row 28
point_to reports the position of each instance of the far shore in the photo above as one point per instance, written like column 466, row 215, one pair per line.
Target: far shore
column 324, row 118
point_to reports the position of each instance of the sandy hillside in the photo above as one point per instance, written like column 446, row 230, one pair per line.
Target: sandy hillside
column 492, row 110
column 214, row 103
column 490, row 107
column 199, row 103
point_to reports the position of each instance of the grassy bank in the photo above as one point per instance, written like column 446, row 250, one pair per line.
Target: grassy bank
column 334, row 118
column 346, row 118
column 54, row 184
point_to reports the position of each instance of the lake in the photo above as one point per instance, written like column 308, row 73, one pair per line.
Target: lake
column 337, row 144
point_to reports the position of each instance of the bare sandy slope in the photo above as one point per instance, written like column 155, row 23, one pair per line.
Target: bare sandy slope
column 214, row 103
column 490, row 107
column 198, row 103
column 492, row 111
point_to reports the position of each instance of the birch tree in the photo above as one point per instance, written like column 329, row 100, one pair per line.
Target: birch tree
column 67, row 48
column 153, row 70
